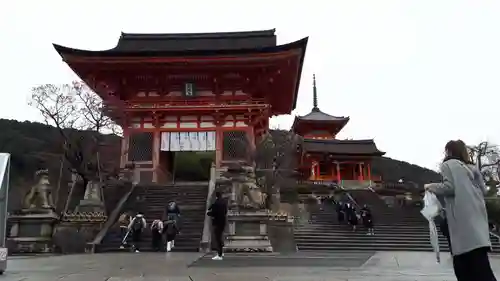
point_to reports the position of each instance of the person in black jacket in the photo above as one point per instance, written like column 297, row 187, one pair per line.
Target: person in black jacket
column 218, row 212
column 367, row 217
column 172, row 212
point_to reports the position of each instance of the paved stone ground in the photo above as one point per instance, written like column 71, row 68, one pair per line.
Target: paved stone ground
column 386, row 266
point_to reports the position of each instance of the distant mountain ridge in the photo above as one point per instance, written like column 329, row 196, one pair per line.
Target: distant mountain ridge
column 35, row 145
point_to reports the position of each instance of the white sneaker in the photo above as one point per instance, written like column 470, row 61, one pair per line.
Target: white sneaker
column 169, row 246
column 172, row 244
column 137, row 251
column 217, row 258
column 121, row 247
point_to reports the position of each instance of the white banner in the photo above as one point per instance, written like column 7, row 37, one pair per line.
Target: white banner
column 195, row 141
column 202, row 136
column 210, row 141
column 187, row 141
column 165, row 141
column 175, row 141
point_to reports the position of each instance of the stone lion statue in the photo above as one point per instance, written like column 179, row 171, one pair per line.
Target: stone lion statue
column 248, row 192
column 40, row 195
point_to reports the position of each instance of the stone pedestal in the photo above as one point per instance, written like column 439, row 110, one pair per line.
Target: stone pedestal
column 90, row 206
column 92, row 200
column 76, row 232
column 247, row 232
column 31, row 231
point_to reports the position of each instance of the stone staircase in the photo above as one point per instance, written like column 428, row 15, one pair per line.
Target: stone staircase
column 396, row 229
column 152, row 201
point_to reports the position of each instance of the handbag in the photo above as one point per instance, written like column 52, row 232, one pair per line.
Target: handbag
column 432, row 208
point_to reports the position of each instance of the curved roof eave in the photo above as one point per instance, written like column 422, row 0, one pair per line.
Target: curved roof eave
column 297, row 45
column 342, row 120
column 204, row 35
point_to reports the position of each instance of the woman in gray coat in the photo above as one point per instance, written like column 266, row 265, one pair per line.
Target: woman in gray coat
column 463, row 190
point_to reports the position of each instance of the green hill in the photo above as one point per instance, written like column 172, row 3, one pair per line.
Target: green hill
column 35, row 146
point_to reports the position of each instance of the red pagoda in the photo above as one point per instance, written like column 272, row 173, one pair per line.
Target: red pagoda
column 325, row 158
column 192, row 92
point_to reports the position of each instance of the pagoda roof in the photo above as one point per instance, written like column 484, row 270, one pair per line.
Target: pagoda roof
column 342, row 147
column 317, row 115
column 186, row 44
column 317, row 119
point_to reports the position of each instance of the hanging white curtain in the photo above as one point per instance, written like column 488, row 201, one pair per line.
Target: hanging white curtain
column 185, row 144
column 195, row 141
column 210, row 141
column 175, row 141
column 187, row 141
column 202, row 137
column 165, row 141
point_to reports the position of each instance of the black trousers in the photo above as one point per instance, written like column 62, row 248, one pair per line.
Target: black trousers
column 136, row 238
column 156, row 240
column 443, row 226
column 218, row 238
column 473, row 266
column 123, row 232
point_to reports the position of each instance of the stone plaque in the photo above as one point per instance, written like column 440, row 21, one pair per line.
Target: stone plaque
column 29, row 230
column 244, row 228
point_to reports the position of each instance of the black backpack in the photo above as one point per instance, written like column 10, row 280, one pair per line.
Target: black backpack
column 171, row 208
column 170, row 227
column 137, row 225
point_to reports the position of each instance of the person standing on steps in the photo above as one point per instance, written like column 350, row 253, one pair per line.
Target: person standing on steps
column 156, row 235
column 136, row 226
column 218, row 212
column 173, row 212
column 170, row 230
column 339, row 206
column 367, row 218
column 463, row 189
column 352, row 216
column 124, row 221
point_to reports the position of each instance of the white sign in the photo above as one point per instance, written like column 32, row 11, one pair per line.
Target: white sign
column 3, row 254
column 188, row 141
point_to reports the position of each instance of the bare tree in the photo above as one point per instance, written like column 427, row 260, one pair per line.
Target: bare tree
column 275, row 158
column 78, row 114
column 487, row 158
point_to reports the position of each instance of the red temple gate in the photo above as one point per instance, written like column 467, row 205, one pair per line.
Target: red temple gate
column 191, row 92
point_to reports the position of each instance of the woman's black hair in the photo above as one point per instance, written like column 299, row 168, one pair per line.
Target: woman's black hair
column 457, row 149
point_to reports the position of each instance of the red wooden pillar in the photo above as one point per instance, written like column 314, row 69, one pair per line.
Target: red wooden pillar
column 338, row 173
column 156, row 154
column 369, row 168
column 251, row 140
column 360, row 176
column 125, row 147
column 218, row 145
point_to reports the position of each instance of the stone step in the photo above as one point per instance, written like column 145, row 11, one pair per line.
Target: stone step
column 372, row 247
column 349, row 230
column 388, row 240
column 361, row 234
column 191, row 201
column 381, row 227
column 195, row 200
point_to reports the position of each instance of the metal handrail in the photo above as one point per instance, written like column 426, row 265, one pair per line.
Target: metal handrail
column 4, row 191
column 350, row 197
column 112, row 218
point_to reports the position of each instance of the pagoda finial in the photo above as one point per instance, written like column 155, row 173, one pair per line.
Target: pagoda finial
column 315, row 94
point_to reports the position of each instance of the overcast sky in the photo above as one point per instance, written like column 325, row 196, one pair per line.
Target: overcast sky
column 410, row 74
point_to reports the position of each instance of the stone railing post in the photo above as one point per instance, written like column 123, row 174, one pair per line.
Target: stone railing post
column 205, row 245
